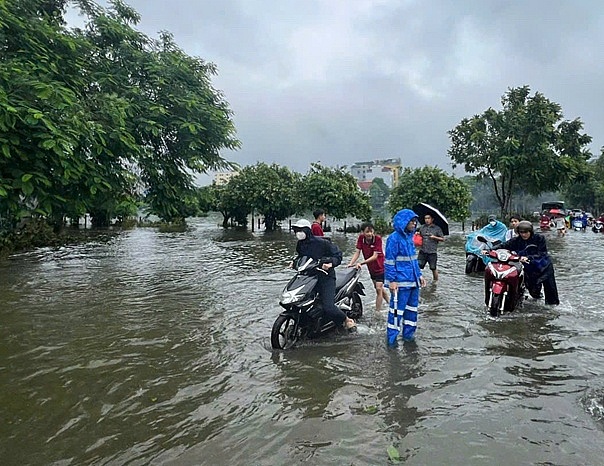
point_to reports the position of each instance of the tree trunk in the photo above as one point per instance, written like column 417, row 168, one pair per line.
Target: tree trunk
column 270, row 222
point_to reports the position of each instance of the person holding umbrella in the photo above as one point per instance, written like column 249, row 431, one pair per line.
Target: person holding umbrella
column 434, row 229
column 403, row 276
column 431, row 235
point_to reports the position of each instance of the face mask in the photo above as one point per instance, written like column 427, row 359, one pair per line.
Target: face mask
column 492, row 223
column 301, row 235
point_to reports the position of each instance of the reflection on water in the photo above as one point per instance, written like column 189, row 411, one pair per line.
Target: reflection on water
column 154, row 348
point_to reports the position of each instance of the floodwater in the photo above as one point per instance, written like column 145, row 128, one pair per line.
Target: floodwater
column 154, row 348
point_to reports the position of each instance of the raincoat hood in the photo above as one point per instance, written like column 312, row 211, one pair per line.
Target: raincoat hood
column 401, row 219
column 496, row 231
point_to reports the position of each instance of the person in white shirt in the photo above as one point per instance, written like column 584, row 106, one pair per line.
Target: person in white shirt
column 560, row 225
column 511, row 233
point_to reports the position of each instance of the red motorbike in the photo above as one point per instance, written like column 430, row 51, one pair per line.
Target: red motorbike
column 503, row 282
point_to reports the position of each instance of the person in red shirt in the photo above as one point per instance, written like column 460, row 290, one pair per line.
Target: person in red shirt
column 316, row 228
column 370, row 245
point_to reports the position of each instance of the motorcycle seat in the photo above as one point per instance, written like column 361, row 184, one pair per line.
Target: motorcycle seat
column 343, row 276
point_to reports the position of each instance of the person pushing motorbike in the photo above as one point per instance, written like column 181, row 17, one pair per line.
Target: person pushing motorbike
column 538, row 267
column 329, row 256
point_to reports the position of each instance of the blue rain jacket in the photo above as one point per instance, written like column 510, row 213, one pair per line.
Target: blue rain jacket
column 473, row 246
column 400, row 263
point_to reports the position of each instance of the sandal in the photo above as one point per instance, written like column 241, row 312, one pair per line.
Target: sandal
column 350, row 324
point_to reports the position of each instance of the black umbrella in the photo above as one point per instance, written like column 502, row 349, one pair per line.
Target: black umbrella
column 422, row 209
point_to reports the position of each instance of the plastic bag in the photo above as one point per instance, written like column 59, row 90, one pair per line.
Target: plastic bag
column 418, row 240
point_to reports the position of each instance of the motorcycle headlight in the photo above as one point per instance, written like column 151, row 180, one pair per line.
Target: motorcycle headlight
column 503, row 255
column 291, row 296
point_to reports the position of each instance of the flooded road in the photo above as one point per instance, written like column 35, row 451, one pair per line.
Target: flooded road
column 154, row 348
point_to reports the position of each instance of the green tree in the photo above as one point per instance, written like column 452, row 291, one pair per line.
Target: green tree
column 272, row 191
column 598, row 168
column 91, row 119
column 587, row 192
column 41, row 116
column 179, row 120
column 378, row 194
column 433, row 186
column 525, row 145
column 229, row 201
column 336, row 191
column 582, row 193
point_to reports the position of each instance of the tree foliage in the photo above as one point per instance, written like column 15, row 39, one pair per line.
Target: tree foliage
column 378, row 195
column 228, row 200
column 336, row 191
column 91, row 120
column 525, row 145
column 433, row 186
column 587, row 192
column 272, row 191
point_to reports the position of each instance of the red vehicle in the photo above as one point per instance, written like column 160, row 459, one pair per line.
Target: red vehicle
column 503, row 282
column 545, row 222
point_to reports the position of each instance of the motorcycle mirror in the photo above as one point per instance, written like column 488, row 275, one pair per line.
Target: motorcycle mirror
column 482, row 239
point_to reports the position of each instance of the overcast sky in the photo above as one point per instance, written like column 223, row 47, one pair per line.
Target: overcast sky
column 341, row 81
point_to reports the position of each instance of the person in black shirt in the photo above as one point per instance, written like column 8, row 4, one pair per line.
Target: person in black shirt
column 321, row 249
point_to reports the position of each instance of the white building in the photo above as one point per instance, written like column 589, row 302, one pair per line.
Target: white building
column 223, row 178
column 388, row 170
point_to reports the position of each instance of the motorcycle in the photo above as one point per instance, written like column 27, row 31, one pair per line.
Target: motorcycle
column 503, row 281
column 476, row 261
column 545, row 223
column 303, row 315
column 598, row 227
column 577, row 224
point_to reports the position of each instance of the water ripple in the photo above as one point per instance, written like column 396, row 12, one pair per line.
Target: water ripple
column 153, row 348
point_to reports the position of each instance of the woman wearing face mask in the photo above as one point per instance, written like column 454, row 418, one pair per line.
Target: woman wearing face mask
column 494, row 229
column 321, row 249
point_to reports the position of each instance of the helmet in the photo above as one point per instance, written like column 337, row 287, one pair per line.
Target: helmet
column 524, row 225
column 302, row 223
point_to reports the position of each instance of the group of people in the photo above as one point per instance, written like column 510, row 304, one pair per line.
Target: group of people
column 399, row 265
column 561, row 221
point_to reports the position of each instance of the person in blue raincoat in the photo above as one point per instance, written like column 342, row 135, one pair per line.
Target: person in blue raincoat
column 403, row 276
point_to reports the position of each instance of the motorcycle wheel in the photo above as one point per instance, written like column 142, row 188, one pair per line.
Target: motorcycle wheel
column 283, row 334
column 357, row 307
column 470, row 264
column 495, row 305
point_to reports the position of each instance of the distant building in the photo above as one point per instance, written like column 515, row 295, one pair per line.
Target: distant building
column 387, row 169
column 223, row 178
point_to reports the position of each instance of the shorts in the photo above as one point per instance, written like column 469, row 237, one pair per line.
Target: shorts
column 377, row 277
column 424, row 257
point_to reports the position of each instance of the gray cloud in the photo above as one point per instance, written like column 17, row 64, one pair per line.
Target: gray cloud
column 339, row 81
